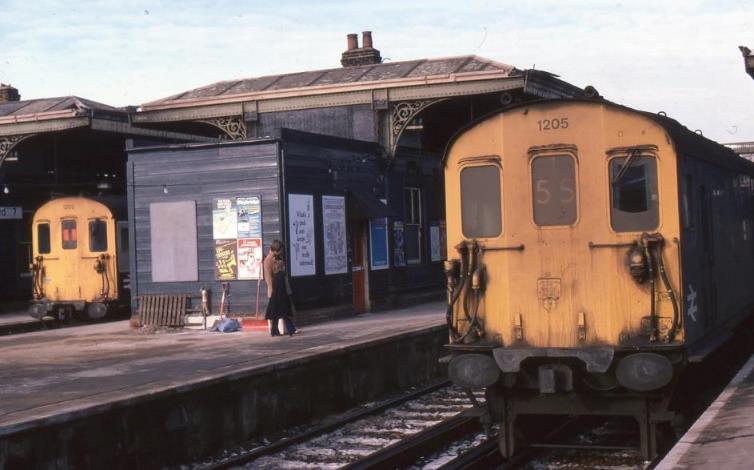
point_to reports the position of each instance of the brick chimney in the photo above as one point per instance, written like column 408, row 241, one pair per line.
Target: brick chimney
column 364, row 55
column 8, row 93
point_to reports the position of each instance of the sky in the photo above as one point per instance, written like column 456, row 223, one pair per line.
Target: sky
column 680, row 57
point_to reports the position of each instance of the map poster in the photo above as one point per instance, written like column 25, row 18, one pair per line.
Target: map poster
column 399, row 249
column 226, row 265
column 334, row 229
column 301, row 234
column 224, row 225
column 378, row 244
column 434, row 242
column 250, row 258
column 249, row 217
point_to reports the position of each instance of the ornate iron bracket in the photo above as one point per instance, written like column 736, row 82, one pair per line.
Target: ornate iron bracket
column 233, row 126
column 8, row 143
column 401, row 114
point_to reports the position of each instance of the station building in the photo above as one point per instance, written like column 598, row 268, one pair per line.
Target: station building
column 343, row 165
column 51, row 147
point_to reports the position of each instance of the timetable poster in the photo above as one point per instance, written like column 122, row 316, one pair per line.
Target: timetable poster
column 301, row 229
column 334, row 229
column 226, row 265
column 250, row 258
column 249, row 217
column 224, row 220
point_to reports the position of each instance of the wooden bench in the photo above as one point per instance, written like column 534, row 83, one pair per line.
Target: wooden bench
column 163, row 309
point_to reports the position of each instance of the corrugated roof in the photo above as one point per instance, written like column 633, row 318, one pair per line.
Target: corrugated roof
column 45, row 105
column 409, row 70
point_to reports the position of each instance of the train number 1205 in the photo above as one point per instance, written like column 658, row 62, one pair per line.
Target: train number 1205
column 552, row 124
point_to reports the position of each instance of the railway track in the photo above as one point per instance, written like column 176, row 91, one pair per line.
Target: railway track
column 393, row 434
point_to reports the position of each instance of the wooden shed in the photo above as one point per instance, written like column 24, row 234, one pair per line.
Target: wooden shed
column 204, row 214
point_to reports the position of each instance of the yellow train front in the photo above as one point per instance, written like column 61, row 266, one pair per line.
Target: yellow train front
column 572, row 227
column 80, row 265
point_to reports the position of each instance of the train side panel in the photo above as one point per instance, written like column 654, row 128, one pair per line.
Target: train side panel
column 557, row 272
column 717, row 205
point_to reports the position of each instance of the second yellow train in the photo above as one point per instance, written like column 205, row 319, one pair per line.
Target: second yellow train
column 80, row 258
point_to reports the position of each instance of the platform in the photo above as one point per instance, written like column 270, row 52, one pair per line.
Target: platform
column 723, row 436
column 51, row 378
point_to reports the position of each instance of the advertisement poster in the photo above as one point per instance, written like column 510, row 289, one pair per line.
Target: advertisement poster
column 378, row 244
column 434, row 242
column 334, row 229
column 399, row 250
column 301, row 230
column 249, row 211
column 226, row 266
column 224, row 225
column 250, row 258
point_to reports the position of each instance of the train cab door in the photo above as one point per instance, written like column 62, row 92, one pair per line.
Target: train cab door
column 359, row 265
column 122, row 254
column 68, row 262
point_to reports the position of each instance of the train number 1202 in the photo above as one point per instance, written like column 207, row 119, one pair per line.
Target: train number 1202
column 552, row 124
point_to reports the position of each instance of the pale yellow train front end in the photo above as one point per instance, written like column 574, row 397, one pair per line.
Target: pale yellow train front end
column 554, row 256
column 75, row 266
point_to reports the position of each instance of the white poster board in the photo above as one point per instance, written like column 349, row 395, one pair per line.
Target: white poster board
column 301, row 235
column 334, row 230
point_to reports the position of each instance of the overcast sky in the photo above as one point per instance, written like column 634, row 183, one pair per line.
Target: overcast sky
column 677, row 56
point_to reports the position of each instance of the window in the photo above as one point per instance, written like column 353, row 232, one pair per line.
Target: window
column 97, row 235
column 122, row 246
column 634, row 199
column 43, row 238
column 413, row 225
column 553, row 184
column 481, row 201
column 70, row 238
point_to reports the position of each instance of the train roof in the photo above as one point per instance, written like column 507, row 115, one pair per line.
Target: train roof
column 685, row 141
column 117, row 204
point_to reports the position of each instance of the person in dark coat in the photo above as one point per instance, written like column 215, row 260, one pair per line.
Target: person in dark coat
column 279, row 305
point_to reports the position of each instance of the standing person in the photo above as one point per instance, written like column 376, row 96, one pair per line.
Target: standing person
column 276, row 247
column 278, row 291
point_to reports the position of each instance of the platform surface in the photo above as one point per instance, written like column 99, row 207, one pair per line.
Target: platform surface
column 59, row 374
column 723, row 437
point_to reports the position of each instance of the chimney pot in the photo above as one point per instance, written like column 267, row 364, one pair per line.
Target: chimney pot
column 353, row 42
column 8, row 93
column 367, row 39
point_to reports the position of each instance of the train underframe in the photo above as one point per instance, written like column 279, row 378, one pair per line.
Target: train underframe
column 67, row 310
column 636, row 383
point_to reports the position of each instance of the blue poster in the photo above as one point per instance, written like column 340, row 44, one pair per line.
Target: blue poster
column 378, row 253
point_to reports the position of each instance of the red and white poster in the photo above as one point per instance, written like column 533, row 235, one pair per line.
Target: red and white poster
column 250, row 257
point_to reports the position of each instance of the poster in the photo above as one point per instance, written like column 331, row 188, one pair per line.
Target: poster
column 224, row 225
column 334, row 230
column 250, row 258
column 226, row 266
column 399, row 250
column 378, row 244
column 301, row 238
column 249, row 211
column 434, row 242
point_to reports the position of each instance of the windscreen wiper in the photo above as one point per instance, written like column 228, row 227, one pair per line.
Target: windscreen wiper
column 626, row 165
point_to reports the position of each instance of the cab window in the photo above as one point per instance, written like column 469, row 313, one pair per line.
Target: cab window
column 481, row 201
column 43, row 238
column 97, row 235
column 634, row 201
column 553, row 182
column 70, row 238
